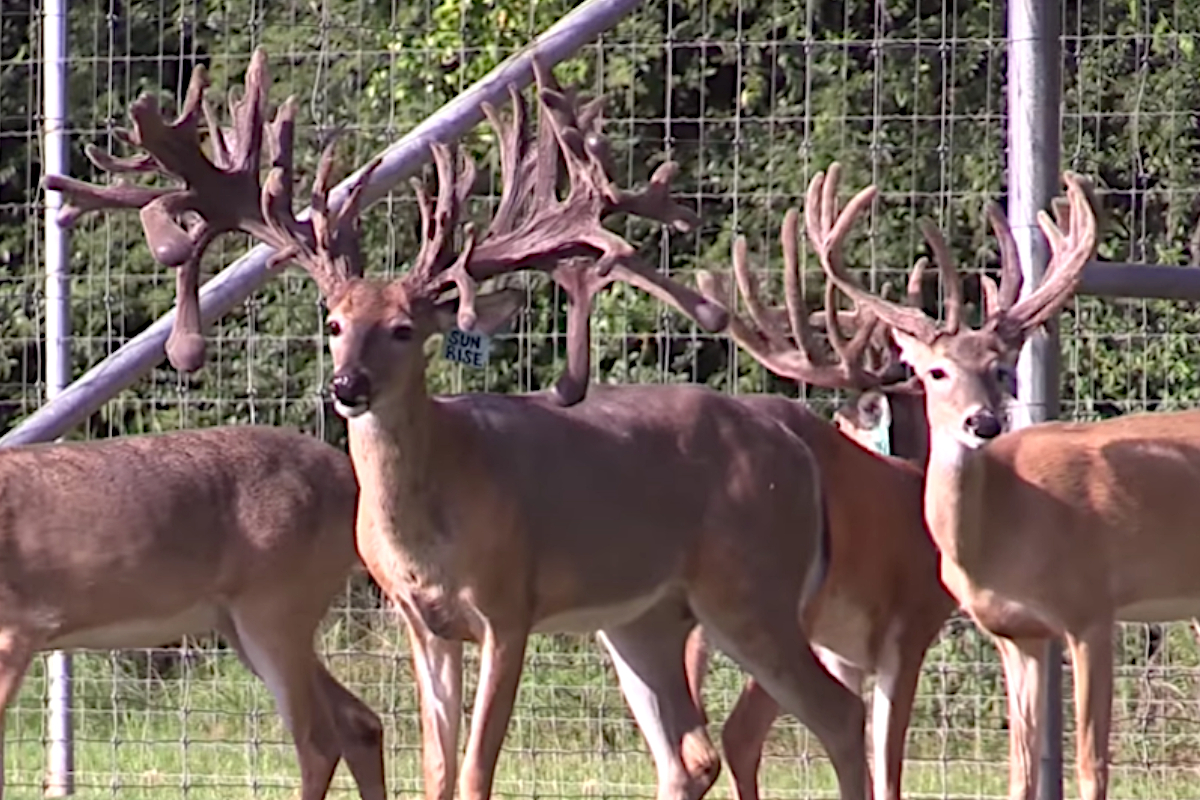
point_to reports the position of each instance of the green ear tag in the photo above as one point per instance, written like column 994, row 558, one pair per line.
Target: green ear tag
column 879, row 438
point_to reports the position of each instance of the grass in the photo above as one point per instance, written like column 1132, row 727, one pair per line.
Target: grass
column 193, row 724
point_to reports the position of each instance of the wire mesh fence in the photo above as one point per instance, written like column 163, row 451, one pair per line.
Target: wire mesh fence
column 751, row 99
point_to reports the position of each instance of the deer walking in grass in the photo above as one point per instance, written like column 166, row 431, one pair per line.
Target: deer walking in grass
column 882, row 604
column 137, row 541
column 489, row 518
column 1058, row 529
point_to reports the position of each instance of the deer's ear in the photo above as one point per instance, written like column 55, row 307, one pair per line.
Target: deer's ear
column 913, row 351
column 493, row 311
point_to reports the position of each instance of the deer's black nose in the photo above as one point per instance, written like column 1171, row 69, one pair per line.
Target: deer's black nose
column 983, row 423
column 351, row 389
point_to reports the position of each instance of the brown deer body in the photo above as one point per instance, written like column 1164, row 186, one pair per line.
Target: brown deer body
column 658, row 522
column 137, row 541
column 490, row 518
column 1056, row 529
column 881, row 607
column 882, row 604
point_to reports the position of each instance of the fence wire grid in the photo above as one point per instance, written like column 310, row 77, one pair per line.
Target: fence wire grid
column 751, row 99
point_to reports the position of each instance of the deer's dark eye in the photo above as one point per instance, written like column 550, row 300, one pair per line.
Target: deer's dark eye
column 334, row 327
column 938, row 374
column 1005, row 376
column 402, row 332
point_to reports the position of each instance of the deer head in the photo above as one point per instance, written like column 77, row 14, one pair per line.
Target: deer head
column 969, row 374
column 858, row 357
column 378, row 328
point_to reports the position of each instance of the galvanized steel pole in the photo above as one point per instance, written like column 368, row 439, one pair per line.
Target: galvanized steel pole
column 1034, row 93
column 60, row 758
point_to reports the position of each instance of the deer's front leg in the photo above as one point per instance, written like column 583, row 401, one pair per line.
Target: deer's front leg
column 502, row 654
column 438, row 666
column 1022, row 660
column 1092, row 662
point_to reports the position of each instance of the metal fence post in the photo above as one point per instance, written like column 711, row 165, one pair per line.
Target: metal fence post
column 1034, row 94
column 60, row 767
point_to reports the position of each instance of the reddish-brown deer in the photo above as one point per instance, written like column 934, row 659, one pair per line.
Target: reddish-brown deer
column 140, row 540
column 882, row 604
column 1056, row 529
column 489, row 517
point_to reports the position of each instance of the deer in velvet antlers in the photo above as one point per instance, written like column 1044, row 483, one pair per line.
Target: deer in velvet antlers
column 489, row 517
column 882, row 604
column 1057, row 529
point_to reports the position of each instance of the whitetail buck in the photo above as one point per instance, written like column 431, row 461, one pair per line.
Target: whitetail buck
column 140, row 540
column 489, row 517
column 882, row 604
column 1057, row 529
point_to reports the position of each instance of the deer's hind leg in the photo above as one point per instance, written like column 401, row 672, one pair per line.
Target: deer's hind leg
column 277, row 645
column 747, row 592
column 648, row 656
column 361, row 734
column 769, row 645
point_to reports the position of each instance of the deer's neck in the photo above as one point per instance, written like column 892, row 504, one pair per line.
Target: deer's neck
column 951, row 496
column 396, row 449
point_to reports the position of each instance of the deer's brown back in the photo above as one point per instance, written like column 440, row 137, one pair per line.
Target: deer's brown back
column 1118, row 501
column 675, row 473
column 84, row 527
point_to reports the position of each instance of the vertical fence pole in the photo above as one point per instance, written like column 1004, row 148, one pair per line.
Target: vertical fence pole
column 1034, row 93
column 60, row 771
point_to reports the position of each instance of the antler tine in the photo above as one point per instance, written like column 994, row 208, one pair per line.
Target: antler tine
column 438, row 220
column 763, row 335
column 826, row 227
column 991, row 297
column 221, row 192
column 949, row 273
column 276, row 198
column 1070, row 252
column 912, row 321
column 515, row 166
column 784, row 361
column 789, row 240
column 851, row 354
column 767, row 322
column 535, row 229
column 1011, row 277
column 912, row 291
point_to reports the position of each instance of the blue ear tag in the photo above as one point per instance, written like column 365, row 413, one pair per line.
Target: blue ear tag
column 469, row 348
column 879, row 438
